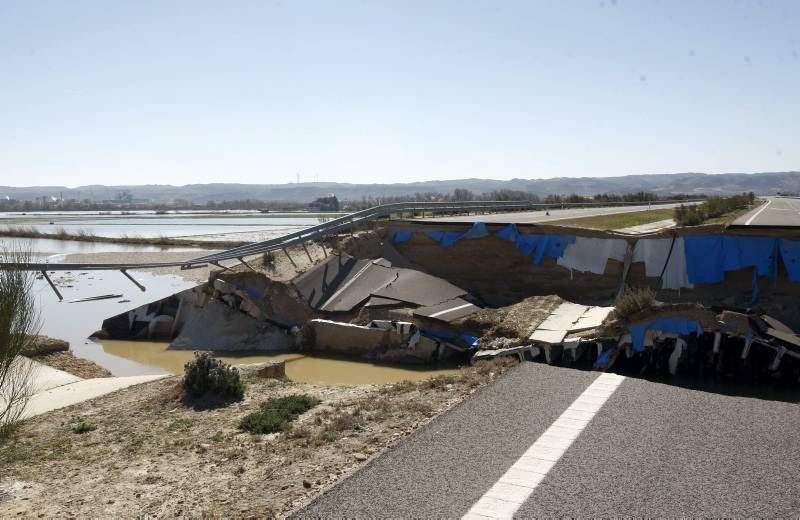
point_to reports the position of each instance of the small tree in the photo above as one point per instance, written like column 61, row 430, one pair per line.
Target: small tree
column 19, row 324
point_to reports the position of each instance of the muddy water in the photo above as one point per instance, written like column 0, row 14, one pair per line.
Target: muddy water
column 301, row 368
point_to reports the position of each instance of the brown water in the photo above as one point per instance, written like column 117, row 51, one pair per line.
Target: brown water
column 299, row 367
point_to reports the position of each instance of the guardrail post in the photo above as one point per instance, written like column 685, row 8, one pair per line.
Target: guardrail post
column 129, row 277
column 52, row 286
column 307, row 253
column 289, row 257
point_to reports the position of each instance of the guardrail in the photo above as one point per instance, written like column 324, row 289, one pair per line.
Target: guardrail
column 331, row 227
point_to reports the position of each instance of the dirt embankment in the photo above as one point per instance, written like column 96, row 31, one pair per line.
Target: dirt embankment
column 144, row 453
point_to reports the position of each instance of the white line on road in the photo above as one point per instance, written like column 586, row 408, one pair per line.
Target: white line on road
column 506, row 496
column 437, row 314
column 748, row 221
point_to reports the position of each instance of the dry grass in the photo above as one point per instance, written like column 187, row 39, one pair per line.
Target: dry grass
column 155, row 456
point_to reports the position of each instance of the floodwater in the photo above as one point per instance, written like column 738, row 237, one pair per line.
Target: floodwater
column 299, row 367
column 173, row 226
column 47, row 247
column 74, row 322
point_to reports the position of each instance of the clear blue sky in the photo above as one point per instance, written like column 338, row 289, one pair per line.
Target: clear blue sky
column 124, row 92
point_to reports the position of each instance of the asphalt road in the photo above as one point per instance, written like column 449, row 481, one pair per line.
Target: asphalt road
column 529, row 217
column 777, row 212
column 652, row 449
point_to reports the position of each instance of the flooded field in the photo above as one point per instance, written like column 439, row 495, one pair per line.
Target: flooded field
column 299, row 367
column 173, row 226
column 57, row 248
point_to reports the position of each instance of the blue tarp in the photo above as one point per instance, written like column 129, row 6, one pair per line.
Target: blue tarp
column 401, row 236
column 602, row 360
column 509, row 232
column 449, row 238
column 680, row 326
column 544, row 245
column 709, row 257
column 453, row 337
column 790, row 252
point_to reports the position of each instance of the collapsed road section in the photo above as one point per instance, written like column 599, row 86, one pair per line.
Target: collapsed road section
column 700, row 303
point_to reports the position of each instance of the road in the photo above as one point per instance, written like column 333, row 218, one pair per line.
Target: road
column 633, row 448
column 776, row 212
column 529, row 217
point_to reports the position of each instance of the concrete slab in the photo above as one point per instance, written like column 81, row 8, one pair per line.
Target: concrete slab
column 83, row 390
column 320, row 283
column 570, row 309
column 448, row 311
column 357, row 288
column 379, row 301
column 420, row 288
column 553, row 337
column 591, row 319
column 44, row 377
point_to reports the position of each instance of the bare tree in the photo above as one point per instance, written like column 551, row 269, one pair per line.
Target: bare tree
column 19, row 324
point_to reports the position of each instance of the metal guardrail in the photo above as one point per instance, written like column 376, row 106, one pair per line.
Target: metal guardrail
column 331, row 227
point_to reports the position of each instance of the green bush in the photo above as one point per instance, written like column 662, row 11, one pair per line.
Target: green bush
column 83, row 427
column 207, row 376
column 277, row 414
column 713, row 207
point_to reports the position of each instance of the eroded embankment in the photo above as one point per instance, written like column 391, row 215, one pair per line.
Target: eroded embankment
column 419, row 294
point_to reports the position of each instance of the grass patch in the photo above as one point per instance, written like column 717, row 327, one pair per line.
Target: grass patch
column 83, row 427
column 633, row 300
column 617, row 220
column 277, row 414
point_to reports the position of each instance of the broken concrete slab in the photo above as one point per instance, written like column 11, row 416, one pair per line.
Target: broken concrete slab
column 591, row 319
column 358, row 288
column 419, row 288
column 217, row 327
column 319, row 283
column 777, row 325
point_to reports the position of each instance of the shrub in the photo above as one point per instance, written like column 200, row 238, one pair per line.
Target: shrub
column 633, row 300
column 207, row 376
column 277, row 414
column 713, row 207
column 83, row 427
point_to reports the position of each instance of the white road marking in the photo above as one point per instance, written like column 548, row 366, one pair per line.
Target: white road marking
column 434, row 315
column 506, row 496
column 748, row 221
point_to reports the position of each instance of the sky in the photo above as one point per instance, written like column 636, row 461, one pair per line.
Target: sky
column 180, row 92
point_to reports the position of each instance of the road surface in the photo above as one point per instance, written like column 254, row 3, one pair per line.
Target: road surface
column 630, row 447
column 529, row 217
column 776, row 212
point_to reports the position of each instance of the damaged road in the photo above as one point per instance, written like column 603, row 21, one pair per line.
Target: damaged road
column 686, row 453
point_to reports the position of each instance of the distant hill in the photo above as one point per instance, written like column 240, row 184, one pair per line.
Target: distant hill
column 663, row 184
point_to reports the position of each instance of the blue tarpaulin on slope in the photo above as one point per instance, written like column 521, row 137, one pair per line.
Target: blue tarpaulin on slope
column 790, row 252
column 401, row 236
column 509, row 232
column 449, row 238
column 709, row 257
column 680, row 326
column 544, row 245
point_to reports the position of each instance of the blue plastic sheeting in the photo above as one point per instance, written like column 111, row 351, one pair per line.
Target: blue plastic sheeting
column 445, row 238
column 510, row 232
column 401, row 236
column 478, row 230
column 449, row 238
column 602, row 360
column 544, row 245
column 790, row 252
column 453, row 337
column 680, row 326
column 709, row 257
